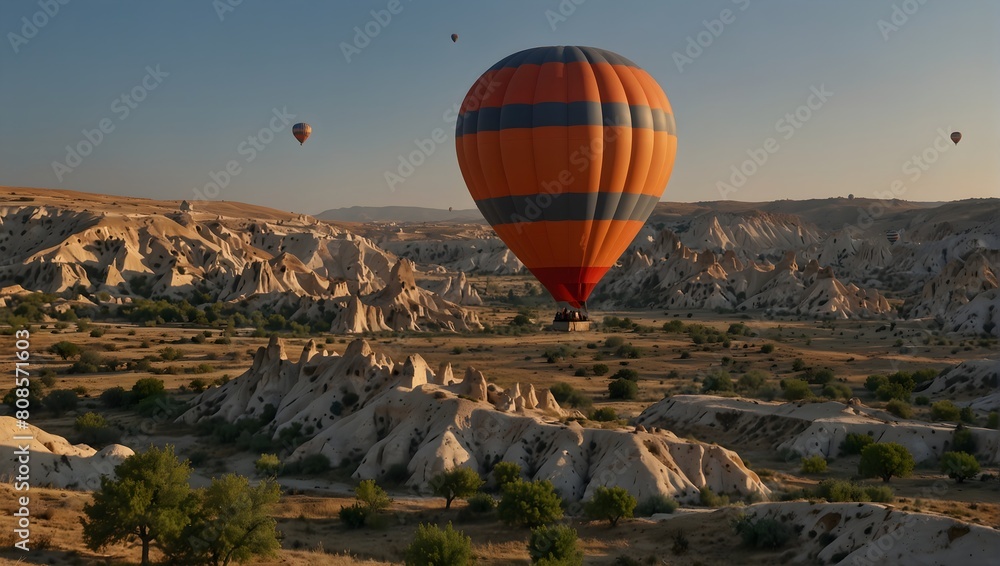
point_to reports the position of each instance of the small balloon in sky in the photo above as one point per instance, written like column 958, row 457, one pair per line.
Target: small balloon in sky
column 956, row 137
column 301, row 131
column 454, row 37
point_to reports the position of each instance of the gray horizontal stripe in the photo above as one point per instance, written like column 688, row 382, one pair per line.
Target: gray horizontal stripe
column 581, row 113
column 563, row 207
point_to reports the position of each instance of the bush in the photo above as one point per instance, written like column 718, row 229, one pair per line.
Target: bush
column 813, row 464
column 65, row 350
column 460, row 482
column 600, row 369
column 899, row 408
column 840, row 491
column 372, row 497
column 962, row 440
column 610, row 504
column 798, row 364
column 198, row 385
column 529, row 504
column 604, row 414
column 554, row 546
column 628, row 351
column 315, row 464
column 944, row 411
column 614, row 342
column 565, row 393
column 60, row 401
column 506, row 473
column 752, row 380
column 146, row 388
column 268, row 465
column 922, row 400
column 855, row 442
column 959, row 466
column 885, row 460
column 966, row 415
column 796, row 389
column 993, row 420
column 114, row 397
column 434, row 546
column 710, row 499
column 767, row 349
column 353, row 516
column 169, row 354
column 761, row 533
column 623, row 389
column 717, row 381
column 655, row 504
column 481, row 503
column 626, row 373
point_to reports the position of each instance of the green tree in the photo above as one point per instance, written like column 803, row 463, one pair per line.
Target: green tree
column 796, row 389
column 505, row 473
column 460, row 482
column 959, row 465
column 60, row 401
column 149, row 499
column 554, row 546
column 147, row 387
column 65, row 350
column 233, row 523
column 529, row 504
column 815, row 464
column 885, row 460
column 434, row 546
column 945, row 411
column 268, row 465
column 610, row 504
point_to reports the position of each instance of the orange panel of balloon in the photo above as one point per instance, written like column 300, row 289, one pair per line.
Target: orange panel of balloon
column 566, row 151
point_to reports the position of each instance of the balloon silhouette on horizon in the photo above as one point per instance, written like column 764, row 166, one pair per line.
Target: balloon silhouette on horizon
column 566, row 151
column 302, row 131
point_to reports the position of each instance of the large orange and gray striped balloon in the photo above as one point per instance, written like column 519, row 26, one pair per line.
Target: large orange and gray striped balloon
column 302, row 131
column 566, row 151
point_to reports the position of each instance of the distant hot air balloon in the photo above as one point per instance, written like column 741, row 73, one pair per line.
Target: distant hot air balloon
column 454, row 37
column 449, row 209
column 892, row 236
column 566, row 151
column 302, row 131
column 956, row 137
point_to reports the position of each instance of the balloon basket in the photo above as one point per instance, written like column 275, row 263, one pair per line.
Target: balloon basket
column 571, row 326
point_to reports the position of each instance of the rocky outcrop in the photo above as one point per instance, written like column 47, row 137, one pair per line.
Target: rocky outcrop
column 364, row 410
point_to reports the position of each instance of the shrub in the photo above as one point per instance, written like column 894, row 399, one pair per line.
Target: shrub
column 813, row 464
column 97, row 332
column 529, row 504
column 840, row 491
column 899, row 408
column 710, row 499
column 874, row 382
column 717, row 381
column 460, row 482
column 885, row 460
column 169, row 354
column 614, row 342
column 796, row 389
column 752, row 380
column 554, row 546
column 610, row 504
column 565, row 393
column 628, row 351
column 268, row 465
column 600, row 369
column 604, row 414
column 114, row 397
column 434, row 546
column 315, row 464
column 65, row 350
column 60, row 401
column 959, row 466
column 966, row 415
column 855, row 442
column 146, row 388
column 922, row 400
column 623, row 389
column 761, row 533
column 767, row 349
column 626, row 373
column 993, row 420
column 798, row 364
column 198, row 385
column 506, row 473
column 962, row 440
column 944, row 411
column 372, row 497
column 655, row 504
column 481, row 503
column 837, row 391
column 580, row 372
column 353, row 516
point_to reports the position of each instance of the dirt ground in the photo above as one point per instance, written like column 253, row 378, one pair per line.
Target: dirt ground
column 312, row 534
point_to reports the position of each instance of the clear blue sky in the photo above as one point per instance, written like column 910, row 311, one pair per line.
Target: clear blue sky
column 939, row 69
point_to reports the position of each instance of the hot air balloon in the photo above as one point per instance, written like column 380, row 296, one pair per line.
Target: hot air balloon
column 449, row 209
column 454, row 37
column 566, row 151
column 892, row 236
column 302, row 131
column 956, row 137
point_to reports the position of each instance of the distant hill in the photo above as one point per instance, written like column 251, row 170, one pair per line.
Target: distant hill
column 399, row 214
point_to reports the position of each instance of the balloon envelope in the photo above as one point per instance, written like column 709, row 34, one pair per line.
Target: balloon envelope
column 454, row 37
column 302, row 131
column 892, row 236
column 566, row 151
column 956, row 137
